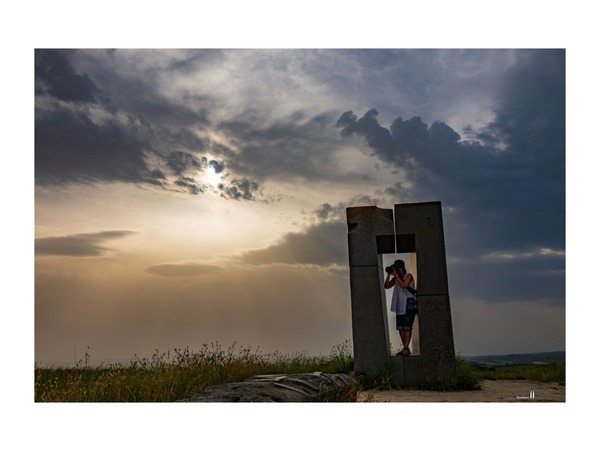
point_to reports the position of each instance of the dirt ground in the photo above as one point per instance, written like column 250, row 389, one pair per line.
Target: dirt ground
column 491, row 391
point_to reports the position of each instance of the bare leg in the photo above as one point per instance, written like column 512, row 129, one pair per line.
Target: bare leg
column 401, row 332
column 405, row 335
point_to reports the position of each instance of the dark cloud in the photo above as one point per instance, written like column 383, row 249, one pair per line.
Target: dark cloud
column 297, row 146
column 328, row 212
column 191, row 185
column 509, row 196
column 181, row 161
column 78, row 137
column 239, row 189
column 368, row 127
column 321, row 244
column 183, row 269
column 138, row 94
column 518, row 277
column 503, row 191
column 109, row 128
column 70, row 147
column 85, row 244
column 325, row 211
column 56, row 77
column 184, row 138
column 217, row 166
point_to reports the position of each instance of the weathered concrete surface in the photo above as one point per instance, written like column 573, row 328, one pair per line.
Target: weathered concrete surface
column 370, row 233
column 304, row 387
column 417, row 229
column 369, row 319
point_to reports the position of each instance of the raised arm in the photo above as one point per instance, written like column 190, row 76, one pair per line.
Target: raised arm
column 403, row 283
column 389, row 282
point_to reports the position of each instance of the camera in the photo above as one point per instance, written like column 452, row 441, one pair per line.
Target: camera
column 390, row 269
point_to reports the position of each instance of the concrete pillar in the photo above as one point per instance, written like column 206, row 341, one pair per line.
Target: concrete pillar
column 370, row 233
column 415, row 341
column 414, row 228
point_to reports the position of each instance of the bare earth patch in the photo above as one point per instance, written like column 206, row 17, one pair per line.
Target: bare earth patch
column 491, row 391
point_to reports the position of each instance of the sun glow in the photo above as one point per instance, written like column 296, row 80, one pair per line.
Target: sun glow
column 212, row 178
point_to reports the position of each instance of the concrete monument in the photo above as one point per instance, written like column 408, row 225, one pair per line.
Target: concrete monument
column 417, row 229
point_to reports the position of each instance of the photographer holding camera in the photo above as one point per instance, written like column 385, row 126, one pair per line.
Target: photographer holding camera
column 404, row 302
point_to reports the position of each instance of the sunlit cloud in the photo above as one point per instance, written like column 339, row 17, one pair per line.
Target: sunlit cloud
column 84, row 244
column 540, row 252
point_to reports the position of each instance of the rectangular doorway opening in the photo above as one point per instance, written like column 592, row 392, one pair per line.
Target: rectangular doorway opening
column 410, row 262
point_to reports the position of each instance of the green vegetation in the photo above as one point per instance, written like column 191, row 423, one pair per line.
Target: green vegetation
column 176, row 375
column 182, row 373
column 551, row 372
column 469, row 375
column 465, row 378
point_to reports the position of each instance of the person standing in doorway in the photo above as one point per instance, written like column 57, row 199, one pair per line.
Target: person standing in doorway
column 404, row 302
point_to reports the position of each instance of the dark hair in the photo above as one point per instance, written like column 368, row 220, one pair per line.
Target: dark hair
column 399, row 263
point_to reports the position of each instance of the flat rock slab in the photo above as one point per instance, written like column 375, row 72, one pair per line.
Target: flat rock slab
column 304, row 387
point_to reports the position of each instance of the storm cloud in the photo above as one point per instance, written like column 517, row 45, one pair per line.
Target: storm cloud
column 299, row 146
column 322, row 244
column 236, row 168
column 105, row 127
column 56, row 77
column 509, row 186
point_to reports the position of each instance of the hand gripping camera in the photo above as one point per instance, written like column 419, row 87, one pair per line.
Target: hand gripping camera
column 390, row 269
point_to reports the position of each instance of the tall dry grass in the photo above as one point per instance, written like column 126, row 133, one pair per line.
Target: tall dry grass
column 176, row 374
column 182, row 373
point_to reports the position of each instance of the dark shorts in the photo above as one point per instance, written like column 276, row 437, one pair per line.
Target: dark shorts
column 405, row 321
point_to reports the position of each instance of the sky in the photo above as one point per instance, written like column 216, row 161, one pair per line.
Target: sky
column 192, row 196
column 120, row 236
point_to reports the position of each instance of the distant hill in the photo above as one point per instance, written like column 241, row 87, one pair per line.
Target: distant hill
column 517, row 359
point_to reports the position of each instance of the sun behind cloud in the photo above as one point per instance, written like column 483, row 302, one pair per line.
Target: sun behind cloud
column 212, row 178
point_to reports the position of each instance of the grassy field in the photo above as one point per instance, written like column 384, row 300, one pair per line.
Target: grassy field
column 181, row 373
column 553, row 371
column 175, row 375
